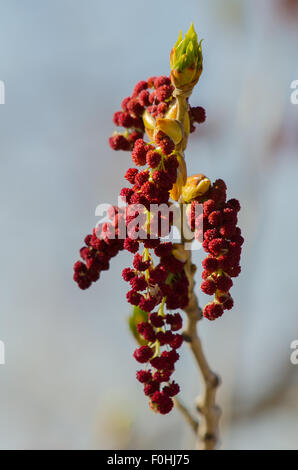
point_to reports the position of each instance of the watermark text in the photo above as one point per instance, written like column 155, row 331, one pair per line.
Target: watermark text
column 172, row 222
column 294, row 354
column 2, row 92
column 294, row 94
column 2, row 353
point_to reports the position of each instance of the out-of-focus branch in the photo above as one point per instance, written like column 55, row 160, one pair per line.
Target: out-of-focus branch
column 187, row 415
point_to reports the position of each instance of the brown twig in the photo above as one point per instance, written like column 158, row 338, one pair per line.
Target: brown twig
column 187, row 415
column 207, row 430
column 207, row 433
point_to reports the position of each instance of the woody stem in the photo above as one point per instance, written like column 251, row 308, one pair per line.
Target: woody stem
column 207, row 430
column 187, row 415
column 207, row 433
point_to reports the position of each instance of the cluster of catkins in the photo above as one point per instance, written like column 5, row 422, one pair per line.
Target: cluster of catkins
column 100, row 247
column 154, row 285
column 154, row 95
column 158, row 281
column 222, row 242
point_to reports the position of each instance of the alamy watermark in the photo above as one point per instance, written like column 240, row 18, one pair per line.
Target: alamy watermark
column 2, row 353
column 294, row 354
column 2, row 92
column 294, row 94
column 169, row 222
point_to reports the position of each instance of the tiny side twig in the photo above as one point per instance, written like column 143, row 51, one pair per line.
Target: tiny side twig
column 187, row 415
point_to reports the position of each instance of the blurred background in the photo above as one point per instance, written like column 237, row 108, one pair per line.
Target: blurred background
column 69, row 378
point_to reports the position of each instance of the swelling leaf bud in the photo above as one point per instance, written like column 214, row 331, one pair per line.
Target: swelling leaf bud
column 186, row 60
column 196, row 185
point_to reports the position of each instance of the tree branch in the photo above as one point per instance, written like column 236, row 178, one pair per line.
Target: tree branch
column 187, row 415
column 207, row 434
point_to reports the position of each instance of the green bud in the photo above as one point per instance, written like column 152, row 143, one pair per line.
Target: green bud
column 186, row 60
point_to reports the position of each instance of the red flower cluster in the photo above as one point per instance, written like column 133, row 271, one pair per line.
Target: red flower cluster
column 164, row 284
column 99, row 248
column 196, row 114
column 223, row 241
column 159, row 331
column 160, row 95
column 154, row 95
column 157, row 279
column 160, row 285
